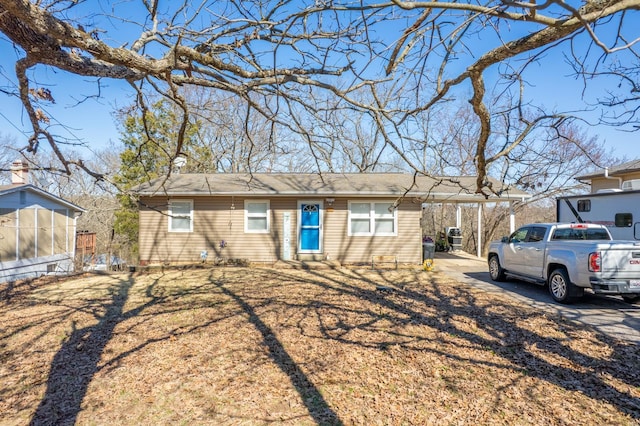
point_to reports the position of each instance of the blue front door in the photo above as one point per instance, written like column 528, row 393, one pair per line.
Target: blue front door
column 310, row 227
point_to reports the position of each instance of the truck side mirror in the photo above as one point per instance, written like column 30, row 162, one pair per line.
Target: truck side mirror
column 505, row 239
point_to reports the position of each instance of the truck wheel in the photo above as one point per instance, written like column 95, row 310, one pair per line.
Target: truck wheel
column 631, row 299
column 561, row 289
column 495, row 270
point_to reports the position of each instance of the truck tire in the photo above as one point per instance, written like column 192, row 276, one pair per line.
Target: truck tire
column 495, row 270
column 560, row 287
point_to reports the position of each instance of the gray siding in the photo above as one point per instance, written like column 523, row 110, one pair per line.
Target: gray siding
column 221, row 218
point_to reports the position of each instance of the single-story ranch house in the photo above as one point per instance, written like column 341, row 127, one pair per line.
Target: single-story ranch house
column 37, row 229
column 267, row 217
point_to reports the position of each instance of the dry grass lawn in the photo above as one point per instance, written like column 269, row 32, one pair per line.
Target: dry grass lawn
column 236, row 346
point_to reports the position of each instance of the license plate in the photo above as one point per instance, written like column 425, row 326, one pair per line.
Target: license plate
column 634, row 284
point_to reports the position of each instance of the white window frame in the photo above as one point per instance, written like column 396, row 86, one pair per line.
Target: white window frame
column 172, row 215
column 372, row 219
column 266, row 215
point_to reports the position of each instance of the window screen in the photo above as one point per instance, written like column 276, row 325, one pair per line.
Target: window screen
column 181, row 216
column 372, row 218
column 256, row 216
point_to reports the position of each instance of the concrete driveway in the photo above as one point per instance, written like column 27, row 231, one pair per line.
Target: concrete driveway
column 610, row 315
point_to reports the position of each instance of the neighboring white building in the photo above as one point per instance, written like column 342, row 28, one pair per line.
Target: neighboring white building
column 614, row 201
column 37, row 229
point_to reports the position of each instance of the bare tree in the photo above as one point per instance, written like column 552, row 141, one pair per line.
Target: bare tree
column 546, row 170
column 544, row 166
column 7, row 156
column 234, row 137
column 273, row 54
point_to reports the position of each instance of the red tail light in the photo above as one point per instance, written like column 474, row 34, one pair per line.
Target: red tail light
column 594, row 262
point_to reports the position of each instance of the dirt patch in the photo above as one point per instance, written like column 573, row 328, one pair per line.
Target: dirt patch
column 257, row 346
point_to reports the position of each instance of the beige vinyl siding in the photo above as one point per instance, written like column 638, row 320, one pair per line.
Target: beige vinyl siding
column 335, row 230
column 27, row 235
column 60, row 236
column 156, row 244
column 8, row 240
column 217, row 219
column 406, row 246
column 45, row 238
column 600, row 183
column 276, row 244
column 71, row 231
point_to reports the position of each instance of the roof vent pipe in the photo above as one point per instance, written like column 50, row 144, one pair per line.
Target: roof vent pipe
column 606, row 176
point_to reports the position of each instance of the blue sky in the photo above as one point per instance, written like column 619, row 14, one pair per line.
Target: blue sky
column 564, row 92
column 78, row 111
column 83, row 116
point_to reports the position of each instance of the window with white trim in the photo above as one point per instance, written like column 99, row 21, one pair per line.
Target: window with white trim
column 256, row 216
column 181, row 216
column 372, row 218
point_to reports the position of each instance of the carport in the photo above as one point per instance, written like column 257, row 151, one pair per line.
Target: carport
column 461, row 191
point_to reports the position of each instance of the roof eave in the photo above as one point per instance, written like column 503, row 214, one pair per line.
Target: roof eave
column 42, row 192
column 432, row 196
column 611, row 173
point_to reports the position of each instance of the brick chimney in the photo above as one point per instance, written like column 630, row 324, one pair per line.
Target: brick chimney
column 19, row 172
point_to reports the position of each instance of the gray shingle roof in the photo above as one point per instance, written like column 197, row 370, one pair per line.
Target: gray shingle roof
column 629, row 166
column 451, row 188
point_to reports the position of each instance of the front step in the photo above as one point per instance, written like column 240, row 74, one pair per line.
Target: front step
column 313, row 257
column 307, row 264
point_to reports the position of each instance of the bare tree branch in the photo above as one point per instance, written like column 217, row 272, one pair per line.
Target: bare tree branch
column 411, row 57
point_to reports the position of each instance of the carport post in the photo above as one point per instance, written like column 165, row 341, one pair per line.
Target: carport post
column 458, row 215
column 479, row 247
column 512, row 218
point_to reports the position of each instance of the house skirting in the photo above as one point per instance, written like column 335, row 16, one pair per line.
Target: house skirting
column 59, row 264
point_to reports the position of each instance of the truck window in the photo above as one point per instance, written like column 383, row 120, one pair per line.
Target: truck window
column 624, row 220
column 580, row 234
column 519, row 236
column 536, row 234
column 597, row 234
column 561, row 234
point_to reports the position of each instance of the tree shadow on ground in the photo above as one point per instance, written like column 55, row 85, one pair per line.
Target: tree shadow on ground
column 403, row 303
column 311, row 397
column 82, row 349
column 402, row 300
column 64, row 393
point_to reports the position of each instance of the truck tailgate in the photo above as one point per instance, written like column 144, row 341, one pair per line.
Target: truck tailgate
column 621, row 258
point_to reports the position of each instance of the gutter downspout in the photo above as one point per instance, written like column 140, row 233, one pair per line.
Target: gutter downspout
column 606, row 176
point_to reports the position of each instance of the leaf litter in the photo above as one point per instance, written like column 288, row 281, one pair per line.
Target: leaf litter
column 231, row 346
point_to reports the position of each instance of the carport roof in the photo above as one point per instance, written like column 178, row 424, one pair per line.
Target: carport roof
column 424, row 188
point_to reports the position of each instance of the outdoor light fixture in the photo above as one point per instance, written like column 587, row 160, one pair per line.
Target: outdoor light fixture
column 330, row 201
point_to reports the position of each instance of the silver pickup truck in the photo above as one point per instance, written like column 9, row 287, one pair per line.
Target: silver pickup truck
column 568, row 258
